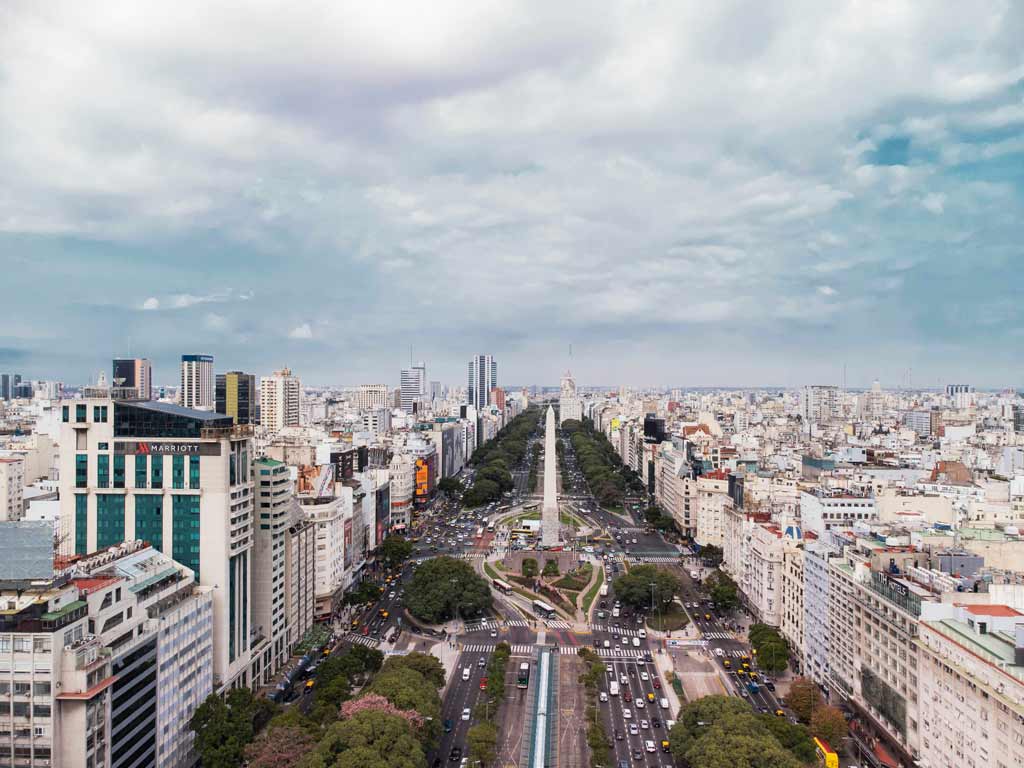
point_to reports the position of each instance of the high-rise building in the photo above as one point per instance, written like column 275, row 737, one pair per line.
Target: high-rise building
column 569, row 404
column 12, row 487
column 371, row 396
column 133, row 373
column 483, row 376
column 819, row 404
column 280, row 400
column 271, row 648
column 236, row 396
column 178, row 478
column 197, row 389
column 8, row 381
column 413, row 386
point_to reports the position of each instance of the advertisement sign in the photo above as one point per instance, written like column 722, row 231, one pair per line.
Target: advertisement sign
column 348, row 543
column 166, row 448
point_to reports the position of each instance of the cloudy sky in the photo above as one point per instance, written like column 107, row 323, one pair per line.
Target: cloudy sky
column 686, row 193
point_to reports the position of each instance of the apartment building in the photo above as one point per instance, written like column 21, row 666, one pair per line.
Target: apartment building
column 300, row 576
column 332, row 518
column 764, row 569
column 971, row 695
column 280, row 400
column 178, row 478
column 822, row 510
column 12, row 487
column 791, row 614
column 270, row 649
column 712, row 499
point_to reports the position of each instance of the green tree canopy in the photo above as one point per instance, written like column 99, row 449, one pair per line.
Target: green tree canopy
column 724, row 593
column 225, row 726
column 482, row 740
column 395, row 550
column 634, row 588
column 368, row 739
column 444, row 587
column 803, row 697
column 427, row 665
column 829, row 724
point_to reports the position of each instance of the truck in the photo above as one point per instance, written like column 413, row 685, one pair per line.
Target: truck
column 604, row 590
column 613, row 688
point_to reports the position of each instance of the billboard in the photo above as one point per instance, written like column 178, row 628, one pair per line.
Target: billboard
column 166, row 448
column 348, row 544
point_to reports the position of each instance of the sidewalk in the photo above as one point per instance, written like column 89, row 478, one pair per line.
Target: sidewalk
column 663, row 663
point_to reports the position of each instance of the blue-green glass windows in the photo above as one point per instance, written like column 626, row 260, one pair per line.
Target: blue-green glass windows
column 193, row 472
column 65, row 414
column 119, row 471
column 103, row 471
column 156, row 474
column 80, row 411
column 81, row 523
column 140, row 470
column 185, row 531
column 149, row 519
column 109, row 519
column 177, row 472
column 82, row 470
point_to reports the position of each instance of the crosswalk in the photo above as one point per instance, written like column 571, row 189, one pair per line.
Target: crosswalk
column 516, row 623
column 370, row 642
column 454, row 555
column 614, row 631
column 719, row 635
column 654, row 558
column 557, row 624
column 476, row 626
column 612, row 654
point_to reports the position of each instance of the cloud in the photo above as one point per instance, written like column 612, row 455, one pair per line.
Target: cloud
column 216, row 322
column 827, row 290
column 151, row 303
column 934, row 202
column 303, row 331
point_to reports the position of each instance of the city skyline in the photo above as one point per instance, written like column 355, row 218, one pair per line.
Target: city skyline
column 720, row 196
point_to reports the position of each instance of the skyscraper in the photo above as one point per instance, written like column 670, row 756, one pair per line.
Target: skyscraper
column 8, row 381
column 413, row 385
column 236, row 396
column 197, row 382
column 280, row 396
column 483, row 376
column 134, row 373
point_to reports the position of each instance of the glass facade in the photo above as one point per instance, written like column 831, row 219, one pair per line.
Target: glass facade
column 65, row 414
column 81, row 523
column 82, row 470
column 141, row 469
column 156, row 474
column 185, row 531
column 119, row 471
column 109, row 519
column 238, row 592
column 163, row 420
column 177, row 472
column 149, row 519
column 80, row 413
column 103, row 471
column 193, row 472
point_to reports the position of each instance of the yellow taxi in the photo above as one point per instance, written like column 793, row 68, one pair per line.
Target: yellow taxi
column 726, row 663
column 779, row 713
column 310, row 683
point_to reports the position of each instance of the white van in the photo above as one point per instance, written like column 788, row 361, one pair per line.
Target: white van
column 642, row 633
column 636, row 642
column 615, row 612
column 466, row 673
column 613, row 688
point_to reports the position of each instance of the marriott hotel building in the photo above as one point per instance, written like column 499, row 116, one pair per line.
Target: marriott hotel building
column 178, row 478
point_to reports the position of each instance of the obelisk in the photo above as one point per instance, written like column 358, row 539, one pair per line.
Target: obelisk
column 549, row 524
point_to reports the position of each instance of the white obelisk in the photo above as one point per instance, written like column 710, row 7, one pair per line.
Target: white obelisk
column 549, row 512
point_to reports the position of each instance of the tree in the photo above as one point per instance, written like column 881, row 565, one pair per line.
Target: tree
column 634, row 588
column 279, row 747
column 368, row 739
column 773, row 656
column 712, row 555
column 550, row 567
column 803, row 697
column 529, row 566
column 225, row 726
column 723, row 591
column 365, row 592
column 730, row 748
column 450, row 486
column 482, row 492
column 377, row 703
column 408, row 689
column 395, row 550
column 482, row 740
column 792, row 736
column 697, row 716
column 443, row 587
column 829, row 724
column 427, row 665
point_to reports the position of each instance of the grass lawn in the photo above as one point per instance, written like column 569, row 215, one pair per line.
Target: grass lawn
column 588, row 599
column 490, row 571
column 670, row 620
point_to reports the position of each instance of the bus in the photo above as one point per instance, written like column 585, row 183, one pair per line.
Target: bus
column 826, row 757
column 523, row 678
column 542, row 609
column 480, row 532
column 522, row 532
column 502, row 586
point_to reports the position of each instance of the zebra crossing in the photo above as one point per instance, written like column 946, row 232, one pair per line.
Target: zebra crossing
column 477, row 625
column 612, row 654
column 719, row 635
column 654, row 558
column 516, row 623
column 614, row 631
column 369, row 642
column 557, row 624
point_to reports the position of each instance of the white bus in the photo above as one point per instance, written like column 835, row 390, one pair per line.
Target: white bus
column 542, row 609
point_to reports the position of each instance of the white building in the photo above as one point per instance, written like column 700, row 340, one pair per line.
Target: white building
column 413, row 386
column 822, row 510
column 178, row 478
column 270, row 649
column 971, row 694
column 570, row 406
column 819, row 404
column 300, row 576
column 816, row 598
column 280, row 400
column 401, row 469
column 372, row 396
column 197, row 382
column 483, row 376
column 791, row 617
column 764, row 590
column 377, row 421
column 332, row 518
column 12, row 488
column 712, row 498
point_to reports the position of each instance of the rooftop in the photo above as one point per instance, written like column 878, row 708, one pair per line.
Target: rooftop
column 992, row 610
column 171, row 409
column 994, row 647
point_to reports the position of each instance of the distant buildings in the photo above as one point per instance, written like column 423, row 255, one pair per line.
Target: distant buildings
column 413, row 386
column 135, row 373
column 482, row 378
column 280, row 400
column 12, row 484
column 371, row 397
column 197, row 382
column 236, row 396
column 8, row 384
column 819, row 404
column 569, row 404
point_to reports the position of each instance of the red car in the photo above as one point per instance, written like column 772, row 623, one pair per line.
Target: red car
column 656, row 682
column 626, row 695
column 483, row 683
column 366, row 629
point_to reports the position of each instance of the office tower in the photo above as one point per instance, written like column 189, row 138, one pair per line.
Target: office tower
column 819, row 403
column 133, row 373
column 370, row 396
column 269, row 604
column 962, row 395
column 8, row 381
column 196, row 382
column 483, row 376
column 280, row 396
column 413, row 386
column 436, row 390
column 178, row 478
column 235, row 396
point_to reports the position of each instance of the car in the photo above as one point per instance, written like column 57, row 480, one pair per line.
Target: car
column 769, row 685
column 638, row 755
column 656, row 683
column 607, row 644
column 618, row 735
column 623, row 680
column 494, row 633
column 627, row 713
column 455, row 755
column 644, row 675
column 633, row 730
column 448, row 725
column 483, row 683
column 481, row 662
column 623, row 764
column 609, row 670
column 655, row 722
column 779, row 713
column 650, row 696
column 627, row 694
column 640, row 704
column 642, row 633
column 649, row 745
column 465, row 714
column 644, row 725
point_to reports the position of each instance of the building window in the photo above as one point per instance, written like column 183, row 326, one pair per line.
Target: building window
column 149, row 519
column 103, row 471
column 81, row 521
column 82, row 470
column 185, row 531
column 177, row 472
column 119, row 471
column 80, row 413
column 193, row 472
column 65, row 414
column 156, row 474
column 140, row 470
column 109, row 519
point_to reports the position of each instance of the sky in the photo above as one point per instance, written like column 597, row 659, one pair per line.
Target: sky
column 649, row 193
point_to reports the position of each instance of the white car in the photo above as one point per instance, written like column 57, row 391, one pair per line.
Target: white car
column 633, row 730
column 465, row 714
column 640, row 703
column 623, row 679
column 644, row 675
column 642, row 633
column 649, row 745
column 607, row 644
column 603, row 696
column 644, row 725
column 627, row 713
column 609, row 670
